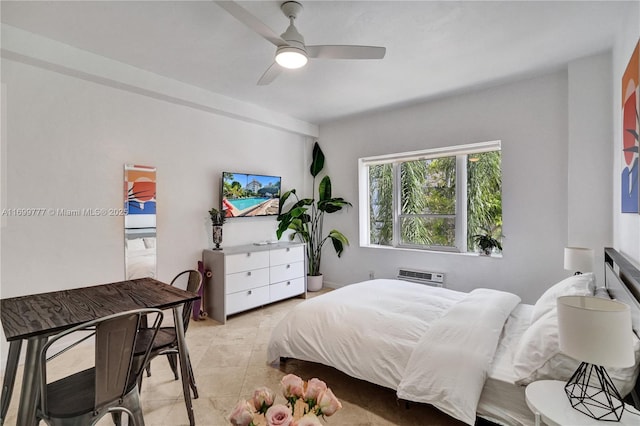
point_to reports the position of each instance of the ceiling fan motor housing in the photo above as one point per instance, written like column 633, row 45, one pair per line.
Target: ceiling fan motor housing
column 291, row 9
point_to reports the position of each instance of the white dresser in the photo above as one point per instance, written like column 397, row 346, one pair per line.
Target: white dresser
column 244, row 277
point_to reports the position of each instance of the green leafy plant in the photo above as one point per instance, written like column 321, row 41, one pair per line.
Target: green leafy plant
column 217, row 217
column 305, row 217
column 486, row 243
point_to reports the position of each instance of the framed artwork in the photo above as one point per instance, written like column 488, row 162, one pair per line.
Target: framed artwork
column 630, row 182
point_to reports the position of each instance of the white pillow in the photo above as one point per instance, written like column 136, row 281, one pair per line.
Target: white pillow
column 575, row 285
column 537, row 345
column 135, row 244
column 538, row 357
column 149, row 242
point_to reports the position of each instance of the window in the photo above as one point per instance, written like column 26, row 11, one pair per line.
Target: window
column 435, row 199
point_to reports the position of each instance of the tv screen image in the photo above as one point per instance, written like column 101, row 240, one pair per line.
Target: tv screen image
column 250, row 195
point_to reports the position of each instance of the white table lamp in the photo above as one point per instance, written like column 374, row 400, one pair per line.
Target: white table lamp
column 578, row 259
column 598, row 333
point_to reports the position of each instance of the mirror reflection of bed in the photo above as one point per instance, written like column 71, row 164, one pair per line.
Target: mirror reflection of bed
column 468, row 354
column 140, row 253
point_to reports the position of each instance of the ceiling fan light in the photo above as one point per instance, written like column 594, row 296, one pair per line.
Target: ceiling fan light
column 291, row 57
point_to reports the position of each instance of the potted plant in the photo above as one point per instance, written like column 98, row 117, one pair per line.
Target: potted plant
column 486, row 243
column 305, row 218
column 217, row 220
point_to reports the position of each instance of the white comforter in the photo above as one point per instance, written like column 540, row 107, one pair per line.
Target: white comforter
column 379, row 331
column 141, row 263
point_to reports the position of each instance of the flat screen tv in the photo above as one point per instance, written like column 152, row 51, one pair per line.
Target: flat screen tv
column 250, row 195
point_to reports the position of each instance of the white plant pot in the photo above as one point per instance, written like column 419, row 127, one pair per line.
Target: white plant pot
column 314, row 282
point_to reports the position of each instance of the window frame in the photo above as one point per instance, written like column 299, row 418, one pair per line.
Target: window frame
column 461, row 152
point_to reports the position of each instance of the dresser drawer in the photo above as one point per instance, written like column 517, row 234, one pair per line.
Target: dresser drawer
column 287, row 271
column 246, row 261
column 246, row 280
column 243, row 300
column 287, row 255
column 285, row 289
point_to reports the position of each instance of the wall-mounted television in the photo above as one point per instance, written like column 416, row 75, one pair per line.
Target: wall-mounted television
column 246, row 194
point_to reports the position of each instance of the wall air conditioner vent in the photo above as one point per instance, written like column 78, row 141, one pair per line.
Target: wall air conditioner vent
column 422, row 277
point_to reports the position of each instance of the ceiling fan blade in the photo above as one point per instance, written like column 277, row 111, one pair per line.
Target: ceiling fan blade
column 346, row 52
column 270, row 74
column 242, row 15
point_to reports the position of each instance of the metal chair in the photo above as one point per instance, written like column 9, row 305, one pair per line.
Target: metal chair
column 166, row 341
column 110, row 386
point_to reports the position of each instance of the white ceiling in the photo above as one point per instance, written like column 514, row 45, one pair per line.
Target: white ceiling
column 433, row 47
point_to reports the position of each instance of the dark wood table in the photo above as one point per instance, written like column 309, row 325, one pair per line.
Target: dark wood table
column 35, row 317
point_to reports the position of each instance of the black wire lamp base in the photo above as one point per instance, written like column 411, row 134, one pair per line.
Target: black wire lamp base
column 591, row 391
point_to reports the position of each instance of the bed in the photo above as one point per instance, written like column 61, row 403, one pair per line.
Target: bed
column 140, row 256
column 468, row 354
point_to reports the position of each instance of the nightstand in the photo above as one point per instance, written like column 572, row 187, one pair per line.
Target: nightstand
column 550, row 405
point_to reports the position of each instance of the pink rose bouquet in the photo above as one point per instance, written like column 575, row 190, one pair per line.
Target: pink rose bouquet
column 308, row 419
column 279, row 415
column 242, row 414
column 306, row 403
column 263, row 398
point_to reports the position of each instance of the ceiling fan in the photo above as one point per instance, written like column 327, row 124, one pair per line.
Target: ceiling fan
column 291, row 52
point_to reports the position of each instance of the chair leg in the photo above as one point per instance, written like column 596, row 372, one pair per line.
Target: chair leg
column 136, row 412
column 173, row 362
column 116, row 416
column 192, row 380
column 9, row 377
column 116, row 413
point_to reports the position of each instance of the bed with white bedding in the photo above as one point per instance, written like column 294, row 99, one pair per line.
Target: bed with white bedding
column 140, row 257
column 468, row 354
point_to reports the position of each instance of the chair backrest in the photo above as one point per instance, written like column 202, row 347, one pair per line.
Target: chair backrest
column 189, row 280
column 115, row 342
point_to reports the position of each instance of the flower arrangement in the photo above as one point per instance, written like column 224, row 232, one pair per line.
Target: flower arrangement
column 306, row 403
column 217, row 217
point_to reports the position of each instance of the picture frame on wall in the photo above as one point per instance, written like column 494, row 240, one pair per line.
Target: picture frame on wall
column 630, row 181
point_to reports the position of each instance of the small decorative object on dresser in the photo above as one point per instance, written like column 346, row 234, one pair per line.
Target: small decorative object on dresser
column 217, row 220
column 248, row 276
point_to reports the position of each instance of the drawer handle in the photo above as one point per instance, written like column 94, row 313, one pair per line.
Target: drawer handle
column 288, row 266
column 288, row 282
column 249, row 292
column 248, row 254
column 249, row 273
column 288, row 249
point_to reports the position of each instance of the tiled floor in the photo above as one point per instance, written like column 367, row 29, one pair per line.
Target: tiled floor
column 229, row 361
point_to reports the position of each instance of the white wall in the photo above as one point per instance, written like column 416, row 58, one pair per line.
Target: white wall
column 67, row 142
column 626, row 227
column 589, row 218
column 530, row 117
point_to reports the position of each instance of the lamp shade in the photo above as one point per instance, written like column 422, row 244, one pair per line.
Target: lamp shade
column 595, row 330
column 578, row 259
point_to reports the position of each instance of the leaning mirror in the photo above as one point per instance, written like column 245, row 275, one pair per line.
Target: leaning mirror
column 140, row 221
